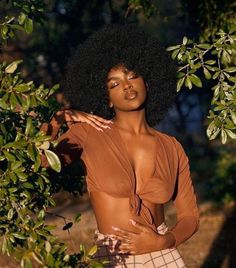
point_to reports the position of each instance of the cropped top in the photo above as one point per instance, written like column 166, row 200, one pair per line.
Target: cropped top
column 109, row 170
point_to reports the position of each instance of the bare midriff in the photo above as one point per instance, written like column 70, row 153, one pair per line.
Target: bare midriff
column 115, row 211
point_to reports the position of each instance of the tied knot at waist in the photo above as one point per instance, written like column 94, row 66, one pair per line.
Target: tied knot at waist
column 138, row 208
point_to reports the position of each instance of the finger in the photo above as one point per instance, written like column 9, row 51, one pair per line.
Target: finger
column 125, row 249
column 122, row 239
column 122, row 233
column 102, row 119
column 139, row 226
column 94, row 125
column 97, row 122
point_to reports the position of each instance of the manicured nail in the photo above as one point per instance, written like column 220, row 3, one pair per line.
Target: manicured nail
column 132, row 221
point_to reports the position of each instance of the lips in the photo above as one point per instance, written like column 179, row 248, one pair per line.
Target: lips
column 130, row 95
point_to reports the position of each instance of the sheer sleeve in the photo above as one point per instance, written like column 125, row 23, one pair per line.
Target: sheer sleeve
column 70, row 144
column 184, row 200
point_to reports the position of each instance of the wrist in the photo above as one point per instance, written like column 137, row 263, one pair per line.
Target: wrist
column 169, row 240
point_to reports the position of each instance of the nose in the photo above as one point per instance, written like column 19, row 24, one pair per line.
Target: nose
column 128, row 85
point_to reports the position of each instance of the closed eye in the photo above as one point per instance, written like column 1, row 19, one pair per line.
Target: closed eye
column 114, row 85
column 132, row 76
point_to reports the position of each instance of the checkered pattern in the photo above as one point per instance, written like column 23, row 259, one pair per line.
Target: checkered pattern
column 107, row 250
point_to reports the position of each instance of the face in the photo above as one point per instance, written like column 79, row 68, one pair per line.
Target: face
column 126, row 90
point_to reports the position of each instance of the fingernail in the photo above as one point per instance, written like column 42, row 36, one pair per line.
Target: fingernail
column 108, row 127
column 100, row 129
column 132, row 221
column 114, row 228
column 111, row 122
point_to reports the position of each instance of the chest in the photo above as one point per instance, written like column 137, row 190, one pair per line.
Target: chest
column 141, row 151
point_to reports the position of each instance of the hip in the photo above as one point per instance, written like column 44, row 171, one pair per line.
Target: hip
column 108, row 250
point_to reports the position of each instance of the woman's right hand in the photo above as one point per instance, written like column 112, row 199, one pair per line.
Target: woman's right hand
column 73, row 116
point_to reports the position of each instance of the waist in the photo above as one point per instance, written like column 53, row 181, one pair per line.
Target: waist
column 113, row 211
column 103, row 239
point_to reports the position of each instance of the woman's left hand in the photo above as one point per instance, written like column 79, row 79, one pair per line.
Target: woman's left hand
column 146, row 240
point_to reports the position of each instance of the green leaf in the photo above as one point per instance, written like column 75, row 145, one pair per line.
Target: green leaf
column 3, row 104
column 4, row 245
column 174, row 54
column 48, row 246
column 12, row 67
column 13, row 100
column 45, row 145
column 4, row 29
column 204, row 46
column 22, row 88
column 51, row 201
column 10, row 214
column 16, row 27
column 53, row 160
column 77, row 218
column 230, row 133
column 28, row 185
column 21, row 18
column 26, row 263
column 210, row 62
column 9, row 156
column 31, row 150
column 233, row 116
column 172, row 48
column 216, row 74
column 41, row 214
column 185, row 40
column 28, row 25
column 15, row 145
column 29, row 126
column 50, row 260
column 16, row 165
column 180, row 83
column 92, row 250
column 230, row 70
column 195, row 80
column 188, row 83
column 206, row 73
column 19, row 236
column 96, row 264
column 223, row 136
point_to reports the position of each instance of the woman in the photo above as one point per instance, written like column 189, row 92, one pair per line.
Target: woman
column 124, row 83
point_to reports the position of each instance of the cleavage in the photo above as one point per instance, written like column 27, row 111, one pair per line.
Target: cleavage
column 141, row 153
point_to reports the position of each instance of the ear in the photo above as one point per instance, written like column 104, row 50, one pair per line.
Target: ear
column 111, row 105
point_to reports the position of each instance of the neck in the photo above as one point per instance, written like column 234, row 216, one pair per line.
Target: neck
column 134, row 121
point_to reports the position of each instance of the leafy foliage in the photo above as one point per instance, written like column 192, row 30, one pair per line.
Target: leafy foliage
column 25, row 188
column 30, row 11
column 214, row 61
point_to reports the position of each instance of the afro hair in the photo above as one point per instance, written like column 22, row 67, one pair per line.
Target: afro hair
column 87, row 69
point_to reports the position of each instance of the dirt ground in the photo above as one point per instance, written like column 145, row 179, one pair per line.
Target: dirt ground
column 213, row 246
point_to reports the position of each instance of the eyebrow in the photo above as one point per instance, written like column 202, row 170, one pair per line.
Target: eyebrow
column 126, row 71
column 112, row 78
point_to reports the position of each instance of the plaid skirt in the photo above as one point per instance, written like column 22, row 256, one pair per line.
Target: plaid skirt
column 107, row 250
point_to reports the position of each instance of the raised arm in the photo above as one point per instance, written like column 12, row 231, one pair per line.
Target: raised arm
column 71, row 142
column 184, row 200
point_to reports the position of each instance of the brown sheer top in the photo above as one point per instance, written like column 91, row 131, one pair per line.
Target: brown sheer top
column 109, row 170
